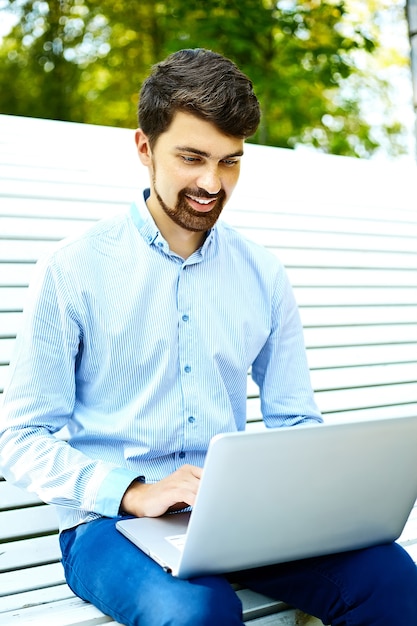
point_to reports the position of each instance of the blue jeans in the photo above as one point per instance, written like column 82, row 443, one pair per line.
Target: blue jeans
column 373, row 587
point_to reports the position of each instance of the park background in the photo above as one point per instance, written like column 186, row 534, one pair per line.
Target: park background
column 332, row 76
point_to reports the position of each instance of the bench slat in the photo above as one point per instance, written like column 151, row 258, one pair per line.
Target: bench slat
column 30, row 579
column 54, row 190
column 29, row 553
column 400, row 225
column 331, row 241
column 70, row 611
column 17, row 601
column 364, row 376
column 343, row 277
column 368, row 397
column 399, row 410
column 347, row 400
column 46, row 229
column 308, row 257
column 359, row 296
column 61, row 208
column 29, row 522
column 25, row 251
column 12, row 497
column 384, row 334
column 316, row 316
column 350, row 356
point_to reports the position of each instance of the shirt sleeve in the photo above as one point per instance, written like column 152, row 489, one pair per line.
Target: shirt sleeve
column 39, row 402
column 281, row 370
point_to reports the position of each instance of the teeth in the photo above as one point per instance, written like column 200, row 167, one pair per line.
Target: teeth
column 201, row 200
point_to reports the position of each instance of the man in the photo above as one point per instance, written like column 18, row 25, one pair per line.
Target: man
column 141, row 333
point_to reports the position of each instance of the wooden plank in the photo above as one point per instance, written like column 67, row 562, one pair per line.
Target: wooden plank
column 6, row 350
column 364, row 376
column 36, row 597
column 360, row 226
column 327, row 357
column 30, row 579
column 24, row 251
column 331, row 241
column 71, row 611
column 298, row 256
column 368, row 397
column 104, row 193
column 12, row 298
column 30, row 522
column 396, row 411
column 9, row 322
column 343, row 277
column 383, row 334
column 72, row 173
column 42, row 229
column 355, row 377
column 4, row 377
column 68, row 612
column 359, row 296
column 245, row 201
column 12, row 497
column 357, row 315
column 355, row 404
column 29, row 553
column 61, row 208
column 15, row 274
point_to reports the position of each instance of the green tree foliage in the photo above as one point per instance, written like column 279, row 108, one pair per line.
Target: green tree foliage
column 84, row 60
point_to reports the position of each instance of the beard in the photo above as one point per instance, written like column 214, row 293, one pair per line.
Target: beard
column 187, row 217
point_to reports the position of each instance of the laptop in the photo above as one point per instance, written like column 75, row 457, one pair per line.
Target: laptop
column 286, row 494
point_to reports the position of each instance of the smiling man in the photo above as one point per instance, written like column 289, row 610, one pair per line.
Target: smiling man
column 141, row 334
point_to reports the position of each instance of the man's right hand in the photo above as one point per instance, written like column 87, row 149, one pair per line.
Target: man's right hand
column 173, row 493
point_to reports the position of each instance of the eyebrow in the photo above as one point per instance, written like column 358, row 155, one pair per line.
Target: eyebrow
column 239, row 153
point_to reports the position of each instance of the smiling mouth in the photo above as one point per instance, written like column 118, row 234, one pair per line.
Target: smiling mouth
column 201, row 203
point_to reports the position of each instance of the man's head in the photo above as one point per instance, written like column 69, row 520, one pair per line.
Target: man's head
column 195, row 111
column 203, row 83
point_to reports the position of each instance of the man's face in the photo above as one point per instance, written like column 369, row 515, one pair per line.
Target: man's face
column 194, row 168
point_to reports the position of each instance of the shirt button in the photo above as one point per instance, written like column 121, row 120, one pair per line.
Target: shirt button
column 185, row 318
column 191, row 419
column 182, row 455
column 160, row 244
column 187, row 369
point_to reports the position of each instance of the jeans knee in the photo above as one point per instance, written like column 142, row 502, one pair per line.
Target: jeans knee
column 208, row 605
column 392, row 596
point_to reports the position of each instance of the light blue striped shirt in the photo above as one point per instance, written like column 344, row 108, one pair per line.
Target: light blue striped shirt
column 143, row 357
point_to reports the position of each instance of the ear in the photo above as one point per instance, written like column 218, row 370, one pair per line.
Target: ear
column 143, row 147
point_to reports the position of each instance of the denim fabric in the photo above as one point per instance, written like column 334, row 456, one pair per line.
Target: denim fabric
column 373, row 587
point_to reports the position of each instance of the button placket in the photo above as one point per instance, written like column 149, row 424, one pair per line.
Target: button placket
column 186, row 341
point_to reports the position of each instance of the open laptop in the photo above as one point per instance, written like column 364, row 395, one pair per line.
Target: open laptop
column 286, row 494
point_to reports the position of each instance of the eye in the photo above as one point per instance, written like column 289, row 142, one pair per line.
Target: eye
column 190, row 159
column 230, row 162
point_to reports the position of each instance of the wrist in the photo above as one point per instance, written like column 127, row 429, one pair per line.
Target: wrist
column 129, row 499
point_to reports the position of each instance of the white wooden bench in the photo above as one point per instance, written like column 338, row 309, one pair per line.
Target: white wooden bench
column 347, row 232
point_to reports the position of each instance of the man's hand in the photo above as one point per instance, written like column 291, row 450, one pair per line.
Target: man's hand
column 172, row 493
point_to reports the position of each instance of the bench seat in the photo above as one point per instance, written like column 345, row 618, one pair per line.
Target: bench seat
column 346, row 231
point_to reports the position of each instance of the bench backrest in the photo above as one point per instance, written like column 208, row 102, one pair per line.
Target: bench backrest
column 345, row 229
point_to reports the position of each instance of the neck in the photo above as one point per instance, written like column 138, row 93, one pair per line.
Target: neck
column 181, row 241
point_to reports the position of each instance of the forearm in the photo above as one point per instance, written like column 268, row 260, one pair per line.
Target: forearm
column 40, row 462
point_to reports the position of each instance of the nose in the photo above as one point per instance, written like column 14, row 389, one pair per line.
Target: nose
column 209, row 180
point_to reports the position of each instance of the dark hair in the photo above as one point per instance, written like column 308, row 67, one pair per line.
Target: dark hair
column 201, row 82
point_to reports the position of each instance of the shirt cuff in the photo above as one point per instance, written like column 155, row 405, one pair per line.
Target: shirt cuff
column 111, row 491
